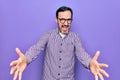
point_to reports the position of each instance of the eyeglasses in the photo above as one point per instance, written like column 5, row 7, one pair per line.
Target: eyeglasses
column 62, row 20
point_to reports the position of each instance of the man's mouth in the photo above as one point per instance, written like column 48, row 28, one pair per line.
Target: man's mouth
column 65, row 26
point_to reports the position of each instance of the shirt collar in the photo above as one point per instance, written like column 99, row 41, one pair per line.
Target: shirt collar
column 62, row 35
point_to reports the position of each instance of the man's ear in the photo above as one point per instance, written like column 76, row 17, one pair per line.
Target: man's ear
column 56, row 20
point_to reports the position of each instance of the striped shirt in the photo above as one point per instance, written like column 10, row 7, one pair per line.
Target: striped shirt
column 59, row 55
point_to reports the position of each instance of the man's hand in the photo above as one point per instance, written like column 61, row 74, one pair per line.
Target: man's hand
column 97, row 68
column 18, row 66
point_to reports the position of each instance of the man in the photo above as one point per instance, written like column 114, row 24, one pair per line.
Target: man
column 61, row 46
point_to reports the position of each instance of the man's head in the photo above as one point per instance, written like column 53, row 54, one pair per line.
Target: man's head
column 64, row 18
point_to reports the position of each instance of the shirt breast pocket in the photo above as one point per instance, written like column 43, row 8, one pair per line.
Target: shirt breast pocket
column 70, row 46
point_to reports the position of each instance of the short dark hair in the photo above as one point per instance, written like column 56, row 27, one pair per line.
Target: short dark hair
column 62, row 9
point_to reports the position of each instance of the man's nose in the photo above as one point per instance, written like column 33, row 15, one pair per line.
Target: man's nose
column 66, row 23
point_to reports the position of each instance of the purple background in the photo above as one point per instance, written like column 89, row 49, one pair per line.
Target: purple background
column 22, row 22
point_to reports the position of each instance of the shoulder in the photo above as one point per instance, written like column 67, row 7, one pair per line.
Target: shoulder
column 75, row 37
column 49, row 33
column 74, row 34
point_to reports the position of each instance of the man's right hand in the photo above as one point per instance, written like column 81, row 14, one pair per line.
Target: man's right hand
column 19, row 65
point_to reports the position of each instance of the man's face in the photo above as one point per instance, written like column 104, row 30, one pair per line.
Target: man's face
column 64, row 21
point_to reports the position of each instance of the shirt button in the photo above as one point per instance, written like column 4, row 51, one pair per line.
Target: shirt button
column 58, row 74
column 60, row 59
column 60, row 51
column 59, row 66
column 61, row 44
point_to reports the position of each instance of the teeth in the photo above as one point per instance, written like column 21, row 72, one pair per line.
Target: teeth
column 64, row 26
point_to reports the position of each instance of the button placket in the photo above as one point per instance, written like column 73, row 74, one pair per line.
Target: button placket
column 60, row 48
column 60, row 51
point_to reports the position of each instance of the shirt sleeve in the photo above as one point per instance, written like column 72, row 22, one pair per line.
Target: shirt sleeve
column 81, row 54
column 33, row 52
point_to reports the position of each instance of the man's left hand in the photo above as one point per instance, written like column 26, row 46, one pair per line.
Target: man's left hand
column 97, row 68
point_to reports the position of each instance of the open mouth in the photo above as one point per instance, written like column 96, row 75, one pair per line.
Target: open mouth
column 65, row 28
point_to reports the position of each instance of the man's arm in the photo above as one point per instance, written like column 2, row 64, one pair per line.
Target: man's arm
column 80, row 52
column 33, row 52
column 92, row 64
column 19, row 65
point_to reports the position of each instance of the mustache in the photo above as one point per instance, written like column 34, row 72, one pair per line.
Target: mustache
column 66, row 26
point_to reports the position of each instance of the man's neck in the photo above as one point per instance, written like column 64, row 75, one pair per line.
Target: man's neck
column 62, row 35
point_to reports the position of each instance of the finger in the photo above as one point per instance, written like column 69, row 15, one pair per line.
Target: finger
column 100, row 76
column 19, row 52
column 103, row 65
column 96, row 55
column 13, row 69
column 16, row 75
column 20, row 75
column 96, row 77
column 104, row 72
column 13, row 63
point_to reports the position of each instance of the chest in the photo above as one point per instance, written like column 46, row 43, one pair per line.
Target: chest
column 57, row 43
